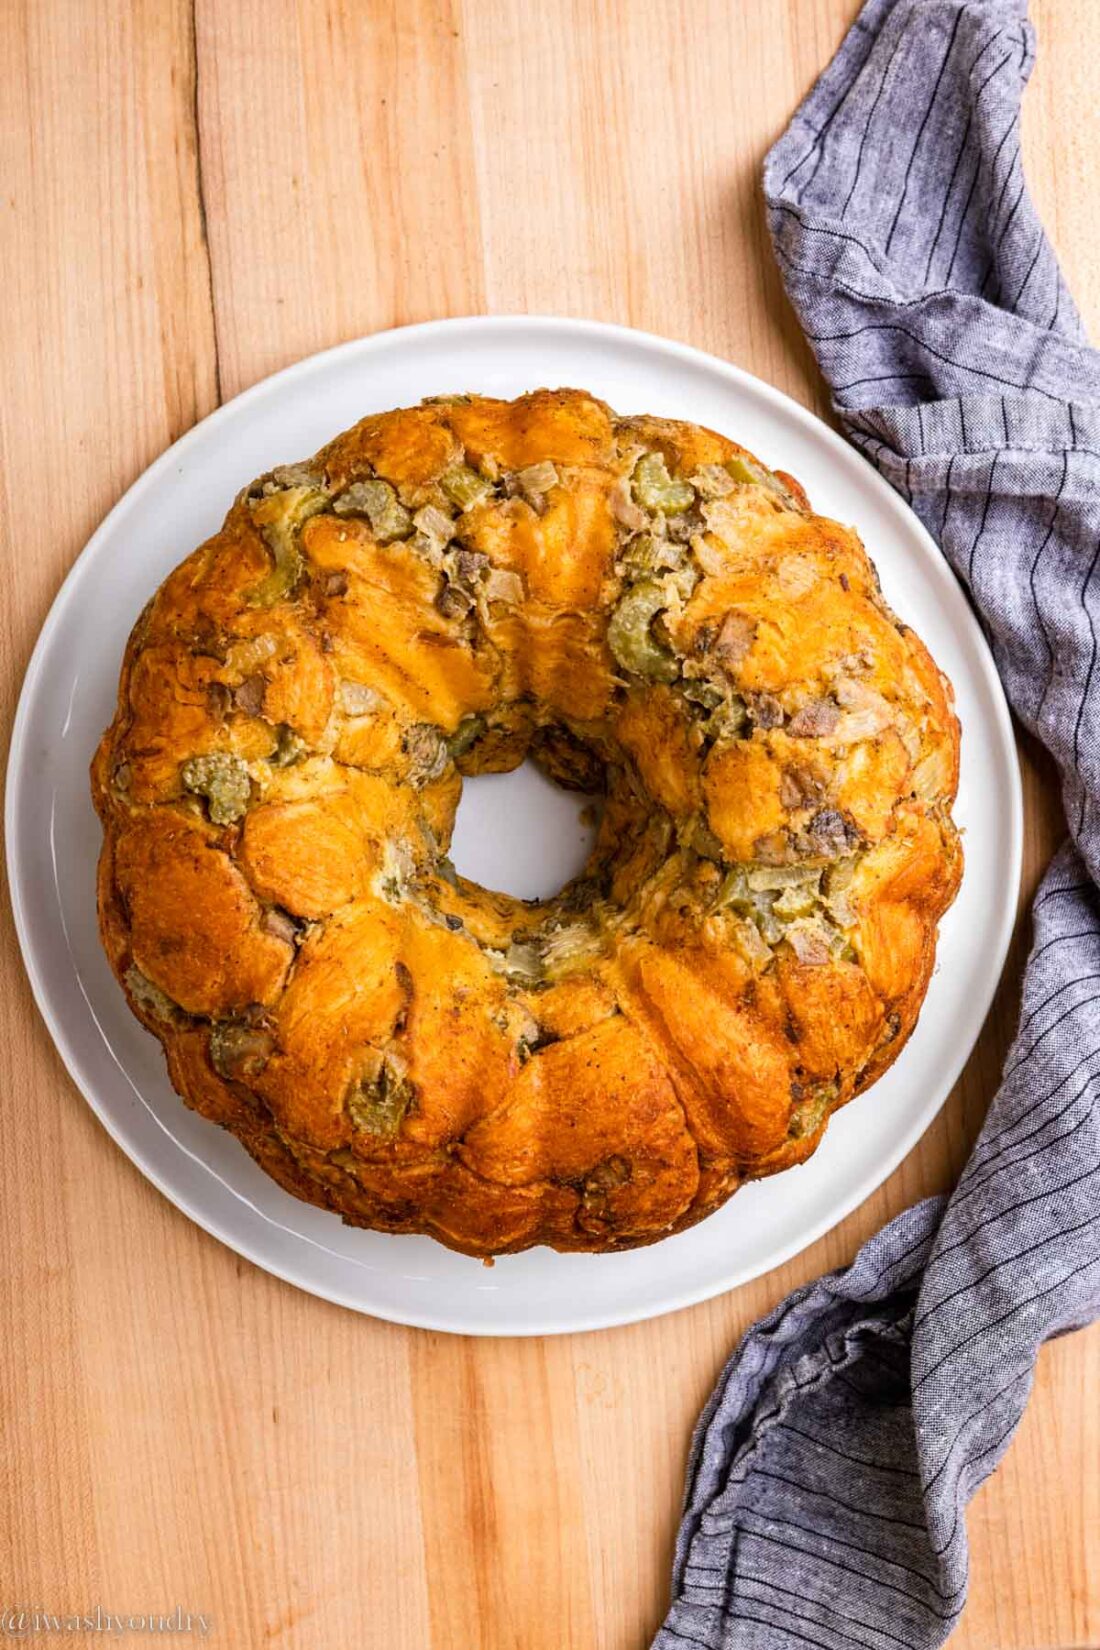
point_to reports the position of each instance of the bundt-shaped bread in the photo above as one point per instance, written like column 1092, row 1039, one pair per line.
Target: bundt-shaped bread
column 650, row 614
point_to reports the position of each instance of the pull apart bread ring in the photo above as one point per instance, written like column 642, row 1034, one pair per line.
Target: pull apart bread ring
column 647, row 612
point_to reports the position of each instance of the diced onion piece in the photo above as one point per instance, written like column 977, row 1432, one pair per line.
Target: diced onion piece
column 537, row 478
column 358, row 699
column 502, row 585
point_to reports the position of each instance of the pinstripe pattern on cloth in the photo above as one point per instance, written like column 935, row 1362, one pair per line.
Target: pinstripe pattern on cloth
column 831, row 1469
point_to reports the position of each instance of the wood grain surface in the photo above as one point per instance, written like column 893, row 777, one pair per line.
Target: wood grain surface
column 193, row 197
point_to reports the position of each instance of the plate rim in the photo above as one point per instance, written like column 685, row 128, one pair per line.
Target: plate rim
column 939, row 572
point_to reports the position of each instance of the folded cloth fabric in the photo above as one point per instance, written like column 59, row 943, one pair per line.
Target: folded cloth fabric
column 830, row 1472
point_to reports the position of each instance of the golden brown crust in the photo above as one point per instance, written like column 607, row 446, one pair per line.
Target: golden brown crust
column 641, row 607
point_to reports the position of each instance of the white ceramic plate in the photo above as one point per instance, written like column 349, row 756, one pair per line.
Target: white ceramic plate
column 53, row 836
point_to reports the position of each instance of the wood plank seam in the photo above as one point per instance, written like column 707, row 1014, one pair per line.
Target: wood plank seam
column 200, row 192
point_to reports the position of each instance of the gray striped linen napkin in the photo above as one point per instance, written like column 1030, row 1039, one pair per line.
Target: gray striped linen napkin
column 830, row 1471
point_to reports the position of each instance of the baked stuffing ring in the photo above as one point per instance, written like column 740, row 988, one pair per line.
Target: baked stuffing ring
column 647, row 612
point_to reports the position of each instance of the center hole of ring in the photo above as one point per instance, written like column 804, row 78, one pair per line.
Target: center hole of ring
column 521, row 834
